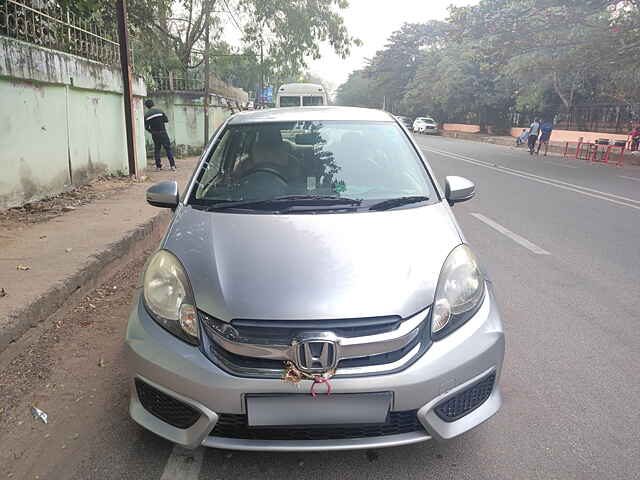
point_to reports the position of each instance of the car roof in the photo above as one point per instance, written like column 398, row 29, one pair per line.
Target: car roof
column 295, row 114
column 304, row 87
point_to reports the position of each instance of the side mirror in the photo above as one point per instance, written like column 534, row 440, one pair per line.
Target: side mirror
column 458, row 189
column 163, row 195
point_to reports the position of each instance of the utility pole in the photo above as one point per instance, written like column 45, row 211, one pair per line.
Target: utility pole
column 206, row 81
column 125, row 67
column 261, row 73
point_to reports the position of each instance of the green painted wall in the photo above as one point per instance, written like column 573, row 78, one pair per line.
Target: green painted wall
column 33, row 141
column 96, row 134
column 186, row 121
column 61, row 122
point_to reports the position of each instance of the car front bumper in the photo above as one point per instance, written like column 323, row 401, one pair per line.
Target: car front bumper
column 181, row 371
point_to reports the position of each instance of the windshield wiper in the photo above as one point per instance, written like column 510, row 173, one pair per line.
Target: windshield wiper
column 285, row 201
column 398, row 202
column 325, row 199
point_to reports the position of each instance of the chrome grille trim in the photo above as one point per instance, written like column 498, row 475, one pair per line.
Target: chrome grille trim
column 348, row 348
column 381, row 368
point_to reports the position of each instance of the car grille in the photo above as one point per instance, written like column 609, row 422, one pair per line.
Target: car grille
column 467, row 401
column 165, row 407
column 260, row 348
column 382, row 359
column 235, row 426
column 286, row 329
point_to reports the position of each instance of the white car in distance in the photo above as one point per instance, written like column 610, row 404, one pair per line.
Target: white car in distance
column 425, row 125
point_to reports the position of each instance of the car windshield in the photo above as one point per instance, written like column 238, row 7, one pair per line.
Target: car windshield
column 313, row 160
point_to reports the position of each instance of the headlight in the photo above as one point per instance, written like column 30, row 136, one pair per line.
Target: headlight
column 168, row 296
column 459, row 293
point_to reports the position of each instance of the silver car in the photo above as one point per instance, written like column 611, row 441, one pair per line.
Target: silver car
column 313, row 292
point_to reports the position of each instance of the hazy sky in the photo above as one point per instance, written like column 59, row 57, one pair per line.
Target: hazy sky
column 373, row 21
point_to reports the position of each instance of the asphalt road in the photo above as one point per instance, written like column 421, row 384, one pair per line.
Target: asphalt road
column 561, row 241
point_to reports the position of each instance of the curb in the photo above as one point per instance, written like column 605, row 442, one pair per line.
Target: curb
column 98, row 267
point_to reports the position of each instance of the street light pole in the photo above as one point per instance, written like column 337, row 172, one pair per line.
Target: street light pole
column 206, row 81
column 261, row 93
column 125, row 67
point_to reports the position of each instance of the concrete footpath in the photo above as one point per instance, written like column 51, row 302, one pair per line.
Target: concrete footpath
column 43, row 265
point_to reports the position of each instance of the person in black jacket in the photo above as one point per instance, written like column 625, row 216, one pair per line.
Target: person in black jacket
column 154, row 120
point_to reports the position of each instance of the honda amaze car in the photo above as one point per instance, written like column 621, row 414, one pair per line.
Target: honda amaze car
column 313, row 292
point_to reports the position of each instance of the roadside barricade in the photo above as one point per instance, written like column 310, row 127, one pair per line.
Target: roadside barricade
column 597, row 152
column 614, row 155
column 579, row 150
column 571, row 149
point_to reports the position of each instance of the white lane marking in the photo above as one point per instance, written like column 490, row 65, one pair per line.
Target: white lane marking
column 561, row 182
column 547, row 181
column 637, row 179
column 513, row 236
column 183, row 464
column 551, row 162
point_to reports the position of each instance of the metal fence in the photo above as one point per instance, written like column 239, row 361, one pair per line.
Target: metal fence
column 175, row 81
column 220, row 92
column 45, row 23
column 606, row 118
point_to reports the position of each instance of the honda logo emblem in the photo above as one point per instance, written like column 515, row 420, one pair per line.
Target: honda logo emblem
column 316, row 355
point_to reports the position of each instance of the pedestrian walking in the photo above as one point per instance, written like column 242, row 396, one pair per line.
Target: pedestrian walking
column 534, row 131
column 154, row 121
column 545, row 135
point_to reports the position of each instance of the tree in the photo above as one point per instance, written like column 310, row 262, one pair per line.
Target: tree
column 358, row 91
column 394, row 67
column 453, row 84
column 288, row 31
column 564, row 46
column 169, row 34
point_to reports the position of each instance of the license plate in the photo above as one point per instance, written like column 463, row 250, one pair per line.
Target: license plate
column 340, row 409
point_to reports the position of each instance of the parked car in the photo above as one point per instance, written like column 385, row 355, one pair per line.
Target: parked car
column 406, row 121
column 425, row 125
column 313, row 292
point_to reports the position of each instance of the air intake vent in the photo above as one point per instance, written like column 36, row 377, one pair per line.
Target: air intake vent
column 235, row 426
column 165, row 407
column 467, row 401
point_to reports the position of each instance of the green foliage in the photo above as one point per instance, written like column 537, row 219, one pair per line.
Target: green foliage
column 170, row 35
column 502, row 55
column 393, row 68
column 358, row 91
column 290, row 30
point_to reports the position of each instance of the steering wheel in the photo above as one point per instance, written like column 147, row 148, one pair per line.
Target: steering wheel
column 269, row 170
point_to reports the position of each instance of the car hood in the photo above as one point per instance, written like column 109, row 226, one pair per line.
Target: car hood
column 322, row 266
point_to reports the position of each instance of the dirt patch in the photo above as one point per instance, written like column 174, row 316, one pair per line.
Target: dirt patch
column 56, row 205
column 72, row 368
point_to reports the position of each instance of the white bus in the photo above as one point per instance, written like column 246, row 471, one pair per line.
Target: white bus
column 301, row 94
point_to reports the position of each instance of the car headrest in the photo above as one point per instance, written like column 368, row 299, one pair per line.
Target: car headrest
column 269, row 136
column 306, row 138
